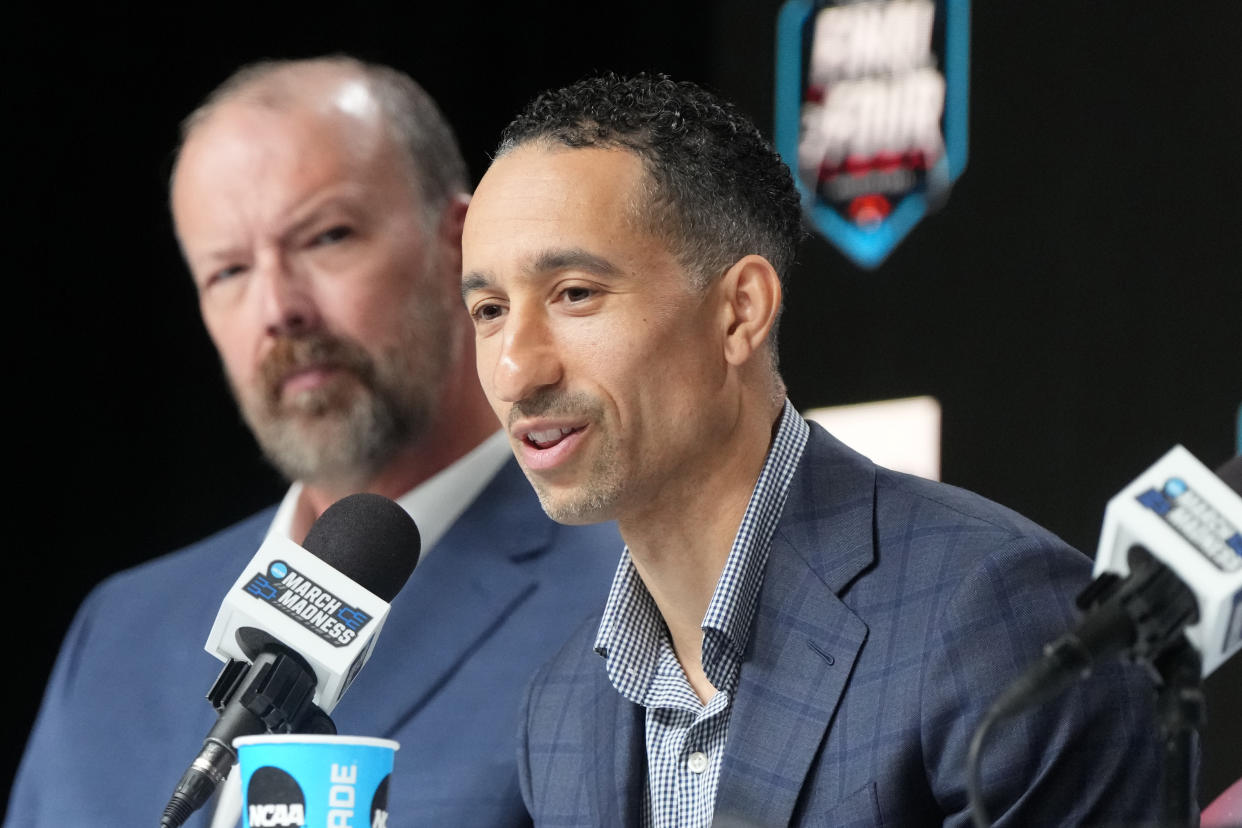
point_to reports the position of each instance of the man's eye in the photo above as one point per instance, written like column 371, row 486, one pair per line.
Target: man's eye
column 487, row 312
column 333, row 235
column 224, row 273
column 577, row 294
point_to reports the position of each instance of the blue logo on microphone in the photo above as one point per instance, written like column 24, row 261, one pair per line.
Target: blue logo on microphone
column 261, row 587
column 1196, row 520
column 315, row 608
column 1175, row 487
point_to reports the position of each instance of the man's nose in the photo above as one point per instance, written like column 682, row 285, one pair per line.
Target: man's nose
column 529, row 359
column 287, row 299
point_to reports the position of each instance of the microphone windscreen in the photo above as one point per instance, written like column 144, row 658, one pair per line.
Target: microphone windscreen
column 368, row 539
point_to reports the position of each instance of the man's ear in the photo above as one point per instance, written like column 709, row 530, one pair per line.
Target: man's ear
column 452, row 219
column 751, row 290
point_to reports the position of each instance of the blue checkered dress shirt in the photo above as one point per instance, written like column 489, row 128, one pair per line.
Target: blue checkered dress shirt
column 685, row 738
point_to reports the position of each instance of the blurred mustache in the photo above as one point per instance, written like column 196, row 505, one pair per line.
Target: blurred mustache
column 291, row 354
column 553, row 403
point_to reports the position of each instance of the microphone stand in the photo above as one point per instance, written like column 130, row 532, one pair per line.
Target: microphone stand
column 1180, row 706
column 272, row 694
column 1142, row 616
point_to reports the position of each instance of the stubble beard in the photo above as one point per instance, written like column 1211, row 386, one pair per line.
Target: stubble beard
column 595, row 499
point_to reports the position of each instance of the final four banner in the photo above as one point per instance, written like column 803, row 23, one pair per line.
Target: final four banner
column 871, row 113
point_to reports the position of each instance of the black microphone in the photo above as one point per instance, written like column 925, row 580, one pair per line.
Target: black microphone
column 295, row 629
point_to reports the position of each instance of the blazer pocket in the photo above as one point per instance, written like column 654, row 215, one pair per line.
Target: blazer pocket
column 861, row 809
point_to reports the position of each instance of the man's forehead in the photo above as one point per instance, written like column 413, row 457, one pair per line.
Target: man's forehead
column 252, row 170
column 544, row 208
column 256, row 142
column 573, row 173
column 295, row 125
column 535, row 192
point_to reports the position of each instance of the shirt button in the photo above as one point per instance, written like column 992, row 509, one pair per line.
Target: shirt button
column 698, row 761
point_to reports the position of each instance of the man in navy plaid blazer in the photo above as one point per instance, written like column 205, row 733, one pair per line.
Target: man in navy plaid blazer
column 793, row 635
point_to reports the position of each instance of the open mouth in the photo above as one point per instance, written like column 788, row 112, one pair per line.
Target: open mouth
column 548, row 438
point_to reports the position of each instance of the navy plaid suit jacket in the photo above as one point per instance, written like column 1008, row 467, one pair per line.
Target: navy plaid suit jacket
column 893, row 611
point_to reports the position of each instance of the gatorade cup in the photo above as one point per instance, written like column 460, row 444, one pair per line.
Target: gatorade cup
column 314, row 780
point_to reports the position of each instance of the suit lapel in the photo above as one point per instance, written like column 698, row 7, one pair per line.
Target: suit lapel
column 804, row 640
column 617, row 779
column 466, row 585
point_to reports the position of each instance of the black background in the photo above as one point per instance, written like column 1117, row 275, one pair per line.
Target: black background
column 1074, row 307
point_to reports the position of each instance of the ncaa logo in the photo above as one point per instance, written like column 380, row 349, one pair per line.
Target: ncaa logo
column 274, row 799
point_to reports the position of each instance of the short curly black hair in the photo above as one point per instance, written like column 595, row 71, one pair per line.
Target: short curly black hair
column 718, row 190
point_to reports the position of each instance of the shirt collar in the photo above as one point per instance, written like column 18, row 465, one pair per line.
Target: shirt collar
column 727, row 621
column 631, row 628
column 436, row 502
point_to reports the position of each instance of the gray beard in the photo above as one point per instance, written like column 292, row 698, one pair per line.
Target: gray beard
column 342, row 433
column 336, row 438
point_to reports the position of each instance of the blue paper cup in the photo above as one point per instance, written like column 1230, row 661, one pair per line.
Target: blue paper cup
column 314, row 781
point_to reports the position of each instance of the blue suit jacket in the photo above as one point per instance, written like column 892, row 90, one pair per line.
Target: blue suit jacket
column 124, row 712
column 893, row 611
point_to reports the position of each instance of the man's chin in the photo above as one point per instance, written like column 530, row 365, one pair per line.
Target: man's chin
column 311, row 423
column 307, row 445
column 573, row 507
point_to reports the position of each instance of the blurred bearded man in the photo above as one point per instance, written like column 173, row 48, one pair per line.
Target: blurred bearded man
column 319, row 206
